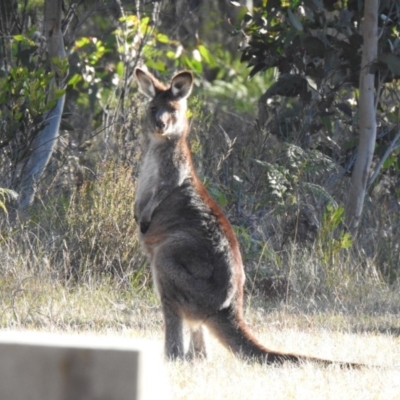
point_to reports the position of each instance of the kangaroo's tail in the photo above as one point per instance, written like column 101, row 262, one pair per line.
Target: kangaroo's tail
column 233, row 333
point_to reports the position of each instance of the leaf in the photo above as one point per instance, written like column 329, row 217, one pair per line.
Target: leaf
column 206, row 56
column 320, row 191
column 75, row 79
column 157, row 65
column 3, row 207
column 390, row 161
column 144, row 27
column 239, row 17
column 314, row 46
column 246, row 56
column 162, row 38
column 346, row 240
column 193, row 64
column 25, row 56
column 82, row 42
column 392, row 62
column 294, row 20
column 257, row 68
column 120, row 69
column 262, row 163
column 288, row 85
column 19, row 38
column 58, row 93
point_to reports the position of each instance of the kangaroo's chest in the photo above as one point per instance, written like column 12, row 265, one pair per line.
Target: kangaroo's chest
column 162, row 169
column 149, row 178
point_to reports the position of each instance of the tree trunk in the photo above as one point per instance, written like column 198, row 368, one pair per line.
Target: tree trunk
column 7, row 27
column 43, row 144
column 367, row 118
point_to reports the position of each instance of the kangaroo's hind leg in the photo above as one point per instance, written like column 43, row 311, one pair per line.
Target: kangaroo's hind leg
column 197, row 344
column 179, row 290
column 174, row 348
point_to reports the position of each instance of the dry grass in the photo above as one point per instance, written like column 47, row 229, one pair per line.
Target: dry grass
column 39, row 303
column 225, row 377
column 230, row 379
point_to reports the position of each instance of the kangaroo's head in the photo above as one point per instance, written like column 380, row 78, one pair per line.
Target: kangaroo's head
column 166, row 113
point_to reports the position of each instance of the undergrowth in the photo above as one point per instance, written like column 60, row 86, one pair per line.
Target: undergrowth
column 90, row 235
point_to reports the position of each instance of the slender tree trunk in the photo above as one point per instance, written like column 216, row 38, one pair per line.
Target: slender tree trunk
column 7, row 28
column 43, row 144
column 367, row 118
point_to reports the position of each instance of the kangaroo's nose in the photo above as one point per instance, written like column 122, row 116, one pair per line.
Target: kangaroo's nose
column 160, row 124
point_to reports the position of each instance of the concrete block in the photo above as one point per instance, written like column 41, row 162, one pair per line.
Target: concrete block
column 41, row 366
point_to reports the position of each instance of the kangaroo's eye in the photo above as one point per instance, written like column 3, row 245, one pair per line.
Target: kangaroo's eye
column 153, row 109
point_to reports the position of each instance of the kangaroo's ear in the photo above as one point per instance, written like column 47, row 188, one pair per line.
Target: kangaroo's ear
column 146, row 83
column 181, row 84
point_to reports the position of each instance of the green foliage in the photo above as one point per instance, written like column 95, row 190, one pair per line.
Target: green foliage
column 89, row 79
column 308, row 38
column 24, row 98
column 256, row 251
column 331, row 238
column 23, row 90
column 162, row 53
column 288, row 179
column 231, row 88
column 315, row 51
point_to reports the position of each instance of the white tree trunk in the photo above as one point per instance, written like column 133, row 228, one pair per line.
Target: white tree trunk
column 367, row 118
column 43, row 144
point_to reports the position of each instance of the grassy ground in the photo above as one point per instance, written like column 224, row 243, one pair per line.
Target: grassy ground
column 31, row 302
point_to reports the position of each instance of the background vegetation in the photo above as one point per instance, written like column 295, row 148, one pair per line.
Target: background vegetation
column 276, row 151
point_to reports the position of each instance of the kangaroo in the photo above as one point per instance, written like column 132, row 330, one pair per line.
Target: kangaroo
column 193, row 252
